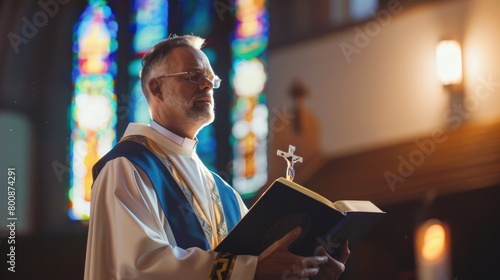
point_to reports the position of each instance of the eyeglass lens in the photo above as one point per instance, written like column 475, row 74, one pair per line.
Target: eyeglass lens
column 197, row 77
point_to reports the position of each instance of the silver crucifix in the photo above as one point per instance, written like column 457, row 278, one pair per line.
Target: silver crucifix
column 290, row 160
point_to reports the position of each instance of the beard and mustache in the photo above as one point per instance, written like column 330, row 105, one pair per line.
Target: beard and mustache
column 200, row 113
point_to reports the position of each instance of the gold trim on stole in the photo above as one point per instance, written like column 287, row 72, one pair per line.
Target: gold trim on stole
column 203, row 218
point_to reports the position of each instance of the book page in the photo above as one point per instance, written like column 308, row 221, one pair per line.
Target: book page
column 356, row 206
column 342, row 206
column 307, row 192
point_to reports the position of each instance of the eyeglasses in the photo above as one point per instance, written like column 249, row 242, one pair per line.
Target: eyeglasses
column 197, row 77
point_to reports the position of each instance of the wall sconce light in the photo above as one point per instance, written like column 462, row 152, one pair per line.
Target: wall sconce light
column 449, row 65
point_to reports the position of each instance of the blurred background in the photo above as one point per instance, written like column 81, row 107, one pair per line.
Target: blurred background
column 392, row 101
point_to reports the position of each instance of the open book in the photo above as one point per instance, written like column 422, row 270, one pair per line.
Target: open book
column 286, row 205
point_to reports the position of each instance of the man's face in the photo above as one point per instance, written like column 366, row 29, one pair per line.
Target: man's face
column 185, row 105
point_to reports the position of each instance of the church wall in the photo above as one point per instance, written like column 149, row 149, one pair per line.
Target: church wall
column 482, row 58
column 375, row 84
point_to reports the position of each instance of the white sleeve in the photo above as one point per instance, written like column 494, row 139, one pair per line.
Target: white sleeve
column 129, row 237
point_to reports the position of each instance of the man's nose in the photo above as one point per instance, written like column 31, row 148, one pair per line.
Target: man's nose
column 206, row 83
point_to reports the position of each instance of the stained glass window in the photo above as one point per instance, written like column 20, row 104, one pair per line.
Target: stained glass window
column 151, row 25
column 93, row 108
column 249, row 112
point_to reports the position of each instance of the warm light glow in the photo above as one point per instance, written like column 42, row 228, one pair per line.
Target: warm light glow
column 93, row 112
column 432, row 250
column 449, row 62
column 249, row 78
column 434, row 242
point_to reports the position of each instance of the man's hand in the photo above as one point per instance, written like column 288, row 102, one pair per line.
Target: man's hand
column 276, row 262
column 333, row 268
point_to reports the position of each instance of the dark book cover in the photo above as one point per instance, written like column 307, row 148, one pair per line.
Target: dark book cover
column 286, row 205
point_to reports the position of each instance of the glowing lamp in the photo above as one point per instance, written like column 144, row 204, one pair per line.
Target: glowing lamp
column 432, row 249
column 449, row 62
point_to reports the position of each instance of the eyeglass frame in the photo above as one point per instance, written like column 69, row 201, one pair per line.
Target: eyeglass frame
column 205, row 76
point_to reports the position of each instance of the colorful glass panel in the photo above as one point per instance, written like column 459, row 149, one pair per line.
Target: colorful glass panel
column 249, row 112
column 93, row 108
column 150, row 25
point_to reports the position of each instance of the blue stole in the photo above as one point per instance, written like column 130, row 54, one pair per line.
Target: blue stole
column 177, row 209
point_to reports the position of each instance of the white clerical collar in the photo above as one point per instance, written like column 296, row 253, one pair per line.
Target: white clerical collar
column 181, row 141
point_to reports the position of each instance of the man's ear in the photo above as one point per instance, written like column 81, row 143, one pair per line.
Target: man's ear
column 155, row 89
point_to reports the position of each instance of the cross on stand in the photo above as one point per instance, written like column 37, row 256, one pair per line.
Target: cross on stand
column 291, row 159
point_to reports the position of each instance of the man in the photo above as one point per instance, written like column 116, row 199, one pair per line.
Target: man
column 156, row 210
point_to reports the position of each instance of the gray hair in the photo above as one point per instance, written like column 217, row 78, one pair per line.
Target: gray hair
column 161, row 50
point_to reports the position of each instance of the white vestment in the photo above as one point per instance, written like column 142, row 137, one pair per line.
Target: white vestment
column 129, row 235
